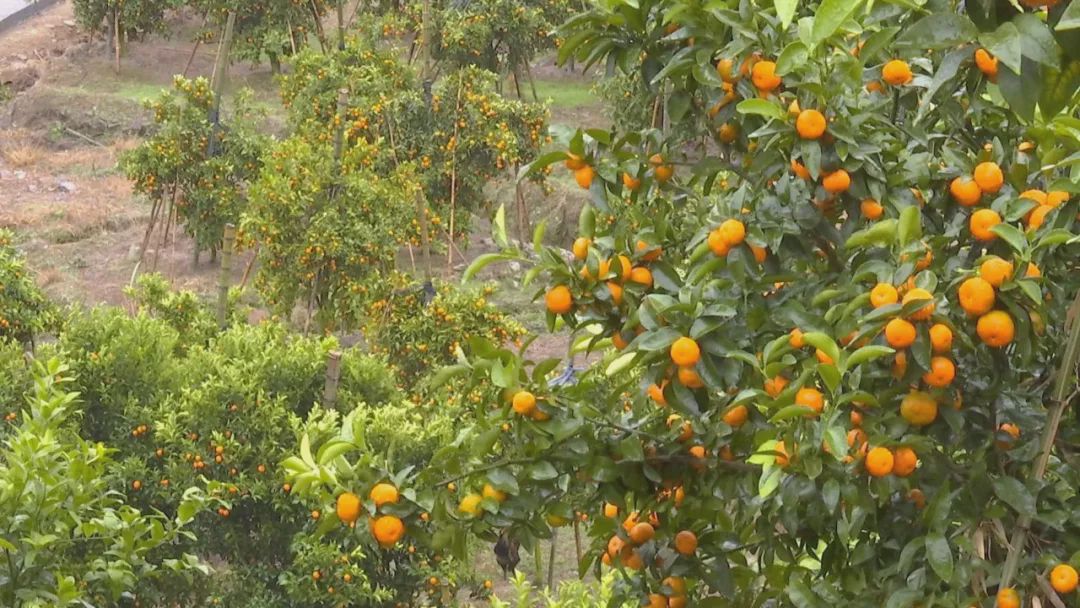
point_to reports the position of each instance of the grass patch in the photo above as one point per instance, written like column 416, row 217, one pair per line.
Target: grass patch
column 567, row 93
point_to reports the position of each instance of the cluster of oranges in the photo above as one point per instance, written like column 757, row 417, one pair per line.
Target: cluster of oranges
column 387, row 530
column 1063, row 578
column 470, row 503
column 624, row 550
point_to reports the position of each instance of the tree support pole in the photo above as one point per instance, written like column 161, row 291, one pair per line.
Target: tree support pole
column 228, row 245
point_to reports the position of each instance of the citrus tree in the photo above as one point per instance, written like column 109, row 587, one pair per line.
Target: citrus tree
column 24, row 309
column 270, row 29
column 197, row 163
column 830, row 284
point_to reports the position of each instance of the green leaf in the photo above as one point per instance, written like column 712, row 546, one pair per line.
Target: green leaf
column 333, row 449
column 587, row 221
column 1011, row 235
column 793, row 56
column 947, row 69
column 836, row 440
column 620, row 363
column 482, row 261
column 824, row 342
column 305, row 451
column 785, row 9
column 867, row 353
column 538, row 236
column 761, row 107
column 829, row 16
column 910, row 226
column 830, row 375
column 939, row 555
column 1037, row 41
column 1004, row 43
column 1015, row 494
column 937, row 31
column 770, row 480
column 1021, row 91
column 1070, row 19
column 543, row 471
column 658, row 340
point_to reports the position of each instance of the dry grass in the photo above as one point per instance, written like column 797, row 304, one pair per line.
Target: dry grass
column 18, row 148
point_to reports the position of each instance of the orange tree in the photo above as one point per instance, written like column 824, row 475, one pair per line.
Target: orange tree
column 24, row 310
column 265, row 28
column 831, row 290
column 196, row 162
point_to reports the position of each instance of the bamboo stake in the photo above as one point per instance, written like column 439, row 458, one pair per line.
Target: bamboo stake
column 228, row 245
column 551, row 559
column 333, row 379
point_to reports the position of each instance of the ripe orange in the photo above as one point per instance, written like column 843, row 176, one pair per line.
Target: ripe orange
column 774, row 386
column 941, row 338
column 996, row 271
column 941, row 372
column 919, row 408
column 383, row 493
column 1034, row 195
column 996, row 328
column 982, row 221
column 782, row 456
column 388, row 530
column 641, row 276
column 575, row 162
column 633, row 561
column 823, row 357
column 581, row 247
column 1056, row 197
column 799, row 169
column 676, row 584
column 1007, row 597
column 584, row 177
column 655, row 600
column 724, row 68
column 836, row 182
column 899, row 333
column 736, row 416
column 656, row 393
column 1038, row 216
column 616, row 292
column 1033, row 271
column 727, row 132
column 976, row 296
column 1012, row 431
column 965, row 191
column 558, row 300
column 611, row 511
column 632, row 183
column 717, row 244
column 883, row 294
column 871, row 209
column 810, row 124
column 880, row 462
column 489, row 491
column 875, row 86
column 663, row 171
column 796, row 340
column 733, row 232
column 686, row 542
column 690, row 378
column 904, row 462
column 896, row 72
column 918, row 293
column 989, row 177
column 470, row 504
column 856, row 438
column 760, row 253
column 618, row 341
column 811, row 398
column 987, row 64
column 524, row 403
column 650, row 253
column 1064, row 578
column 764, row 77
column 685, row 352
column 641, row 533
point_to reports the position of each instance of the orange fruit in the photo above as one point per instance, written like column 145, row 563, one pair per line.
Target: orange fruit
column 796, row 339
column 470, row 504
column 1038, row 216
column 632, row 183
column 575, row 162
column 558, row 300
column 1012, row 431
column 611, row 511
column 987, row 64
column 799, row 169
column 764, row 77
column 625, row 268
column 760, row 253
column 976, row 296
column 584, row 177
column 856, row 418
column 489, row 491
column 982, row 221
column 655, row 600
column 717, row 244
column 871, row 209
column 996, row 328
column 918, row 293
column 918, row 408
column 685, row 352
column 811, row 398
column 1007, row 597
column 875, row 86
column 733, row 232
column 883, row 294
column 918, row 497
column 1034, row 195
column 996, row 271
column 782, row 456
column 965, row 191
column 676, row 584
column 1056, row 197
column 880, row 462
column 686, row 542
column 855, row 438
column 1033, row 271
column 616, row 292
column 633, row 561
column 581, row 247
column 896, row 72
column 810, row 124
column 650, row 253
column 690, row 378
column 774, row 386
column 836, row 182
column 941, row 372
column 348, row 507
column 989, row 177
column 656, row 393
column 904, row 462
column 941, row 338
column 641, row 533
column 823, row 357
column 641, row 276
column 618, row 341
column 727, row 133
column 524, row 403
column 899, row 333
column 724, row 68
column 382, row 494
column 661, row 170
column 1064, row 578
column 736, row 416
column 388, row 530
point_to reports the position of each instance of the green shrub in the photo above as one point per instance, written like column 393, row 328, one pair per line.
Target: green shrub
column 570, row 594
column 184, row 311
column 24, row 309
column 16, row 380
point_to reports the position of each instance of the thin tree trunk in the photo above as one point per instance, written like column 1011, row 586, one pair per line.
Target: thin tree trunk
column 250, row 265
column 228, row 245
column 341, row 24
column 551, row 559
column 532, row 81
column 118, row 37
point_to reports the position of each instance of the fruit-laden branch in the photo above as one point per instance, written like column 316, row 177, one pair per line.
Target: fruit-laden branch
column 1063, row 387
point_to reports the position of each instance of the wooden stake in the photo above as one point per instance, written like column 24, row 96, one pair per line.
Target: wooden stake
column 250, row 264
column 119, row 35
column 577, row 539
column 333, row 379
column 228, row 245
column 551, row 559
